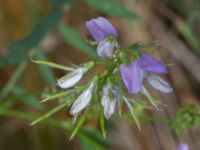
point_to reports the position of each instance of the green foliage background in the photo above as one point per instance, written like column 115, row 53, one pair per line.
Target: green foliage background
column 16, row 97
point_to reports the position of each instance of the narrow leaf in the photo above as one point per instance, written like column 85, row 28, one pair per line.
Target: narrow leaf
column 52, row 64
column 113, row 8
column 74, row 38
column 56, row 95
column 80, row 123
column 143, row 46
column 102, row 123
column 154, row 101
column 48, row 114
column 132, row 112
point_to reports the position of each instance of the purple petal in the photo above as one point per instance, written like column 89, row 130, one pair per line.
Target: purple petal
column 116, row 93
column 100, row 28
column 95, row 31
column 106, row 26
column 183, row 146
column 159, row 84
column 150, row 63
column 132, row 76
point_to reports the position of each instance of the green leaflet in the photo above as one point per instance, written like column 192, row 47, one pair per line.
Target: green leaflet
column 52, row 64
column 112, row 7
column 186, row 117
column 143, row 46
column 49, row 113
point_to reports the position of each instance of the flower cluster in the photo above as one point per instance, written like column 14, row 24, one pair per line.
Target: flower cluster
column 124, row 74
column 132, row 73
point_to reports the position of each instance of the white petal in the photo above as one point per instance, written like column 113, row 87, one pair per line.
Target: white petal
column 159, row 84
column 108, row 106
column 106, row 89
column 107, row 103
column 105, row 49
column 82, row 101
column 71, row 79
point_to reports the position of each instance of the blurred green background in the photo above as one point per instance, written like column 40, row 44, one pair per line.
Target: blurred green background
column 55, row 30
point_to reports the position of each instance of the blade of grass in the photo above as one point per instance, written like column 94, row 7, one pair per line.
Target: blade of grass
column 49, row 113
column 11, row 83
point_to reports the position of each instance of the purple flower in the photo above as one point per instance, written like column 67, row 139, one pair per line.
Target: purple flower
column 183, row 146
column 144, row 66
column 132, row 76
column 150, row 63
column 100, row 28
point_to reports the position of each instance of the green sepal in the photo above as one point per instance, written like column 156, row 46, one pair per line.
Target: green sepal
column 52, row 64
column 102, row 122
column 56, row 95
column 80, row 123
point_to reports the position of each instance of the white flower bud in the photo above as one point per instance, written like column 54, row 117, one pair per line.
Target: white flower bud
column 105, row 48
column 159, row 84
column 82, row 101
column 107, row 103
column 71, row 79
